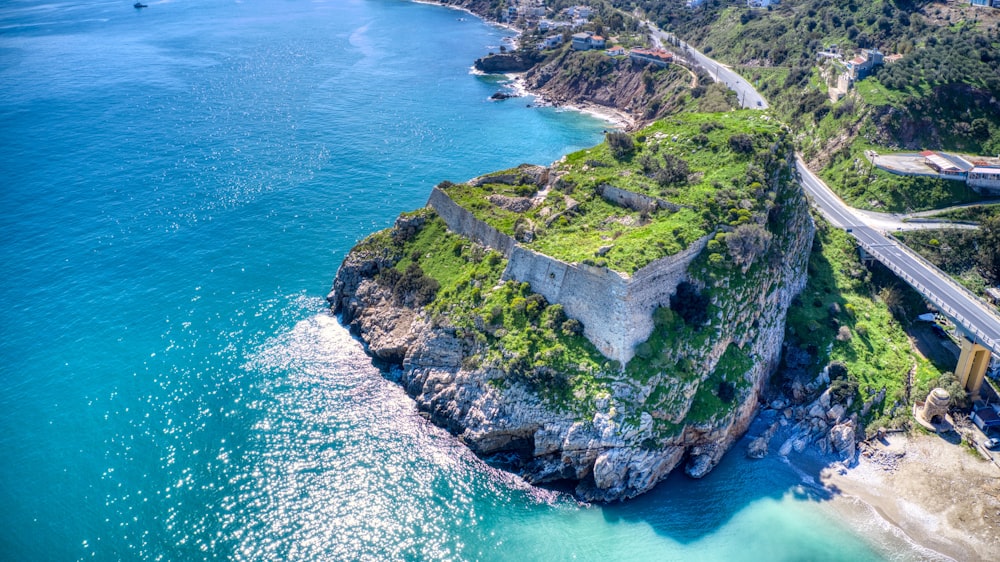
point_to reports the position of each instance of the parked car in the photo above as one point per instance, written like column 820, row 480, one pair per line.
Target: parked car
column 992, row 443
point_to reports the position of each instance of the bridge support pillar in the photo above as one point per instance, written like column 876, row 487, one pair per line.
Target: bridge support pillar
column 865, row 257
column 972, row 364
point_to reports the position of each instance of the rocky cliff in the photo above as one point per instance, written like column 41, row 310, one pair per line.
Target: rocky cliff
column 509, row 372
column 592, row 77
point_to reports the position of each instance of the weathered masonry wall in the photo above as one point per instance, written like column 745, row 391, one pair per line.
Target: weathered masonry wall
column 616, row 311
column 465, row 223
column 630, row 199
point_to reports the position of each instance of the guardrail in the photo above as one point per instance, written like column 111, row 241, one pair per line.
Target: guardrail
column 985, row 340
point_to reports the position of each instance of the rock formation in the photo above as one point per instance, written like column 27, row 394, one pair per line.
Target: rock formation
column 615, row 428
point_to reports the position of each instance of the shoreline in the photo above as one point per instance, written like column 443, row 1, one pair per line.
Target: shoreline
column 471, row 13
column 617, row 118
column 925, row 491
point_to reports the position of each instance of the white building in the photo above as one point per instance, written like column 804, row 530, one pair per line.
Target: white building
column 580, row 12
column 548, row 25
column 985, row 179
column 551, row 41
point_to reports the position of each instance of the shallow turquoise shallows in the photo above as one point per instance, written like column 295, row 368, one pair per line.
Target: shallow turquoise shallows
column 178, row 185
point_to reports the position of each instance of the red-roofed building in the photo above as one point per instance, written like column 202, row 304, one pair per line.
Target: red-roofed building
column 863, row 65
column 658, row 57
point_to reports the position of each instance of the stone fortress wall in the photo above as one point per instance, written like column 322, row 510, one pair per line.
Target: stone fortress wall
column 616, row 310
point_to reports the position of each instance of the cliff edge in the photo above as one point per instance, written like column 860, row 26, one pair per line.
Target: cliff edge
column 683, row 245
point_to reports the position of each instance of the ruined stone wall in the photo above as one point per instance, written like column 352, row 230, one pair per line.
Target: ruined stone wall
column 463, row 222
column 596, row 296
column 629, row 199
column 616, row 310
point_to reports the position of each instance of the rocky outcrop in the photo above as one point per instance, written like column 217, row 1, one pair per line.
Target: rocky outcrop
column 680, row 398
column 591, row 77
column 517, row 61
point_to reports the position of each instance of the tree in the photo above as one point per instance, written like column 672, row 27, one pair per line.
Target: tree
column 741, row 143
column 621, row 144
column 674, row 171
column 988, row 257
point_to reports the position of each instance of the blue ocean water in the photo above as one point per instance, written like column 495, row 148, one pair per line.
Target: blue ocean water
column 178, row 185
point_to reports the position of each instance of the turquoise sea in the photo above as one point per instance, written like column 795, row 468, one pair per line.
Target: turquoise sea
column 178, row 185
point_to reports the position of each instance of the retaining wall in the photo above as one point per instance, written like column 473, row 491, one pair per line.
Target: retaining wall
column 616, row 310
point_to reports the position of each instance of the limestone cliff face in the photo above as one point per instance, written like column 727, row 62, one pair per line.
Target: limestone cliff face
column 645, row 421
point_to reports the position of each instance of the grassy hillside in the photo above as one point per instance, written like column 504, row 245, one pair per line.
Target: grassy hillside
column 942, row 94
column 854, row 316
column 704, row 171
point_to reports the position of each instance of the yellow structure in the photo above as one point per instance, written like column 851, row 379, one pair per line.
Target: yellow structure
column 972, row 364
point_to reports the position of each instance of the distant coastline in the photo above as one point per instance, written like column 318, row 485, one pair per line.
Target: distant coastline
column 614, row 116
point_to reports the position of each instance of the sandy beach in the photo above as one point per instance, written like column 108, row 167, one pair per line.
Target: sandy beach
column 941, row 496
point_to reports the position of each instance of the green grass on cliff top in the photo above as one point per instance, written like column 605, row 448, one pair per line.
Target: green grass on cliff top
column 635, row 239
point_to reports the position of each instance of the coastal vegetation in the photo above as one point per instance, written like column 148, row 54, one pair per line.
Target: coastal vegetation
column 940, row 94
column 854, row 317
column 693, row 174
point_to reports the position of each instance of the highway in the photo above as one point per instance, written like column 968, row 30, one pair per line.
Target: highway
column 964, row 308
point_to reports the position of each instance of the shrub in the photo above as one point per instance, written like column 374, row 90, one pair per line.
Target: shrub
column 572, row 327
column 414, row 287
column 621, row 144
column 844, row 334
column 674, row 171
column 748, row 242
column 741, row 143
column 555, row 315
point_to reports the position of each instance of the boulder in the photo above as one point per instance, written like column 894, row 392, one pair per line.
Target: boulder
column 843, row 439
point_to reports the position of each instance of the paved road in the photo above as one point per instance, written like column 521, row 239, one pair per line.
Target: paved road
column 746, row 93
column 963, row 307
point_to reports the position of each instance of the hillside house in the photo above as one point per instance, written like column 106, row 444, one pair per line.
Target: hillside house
column 659, row 57
column 586, row 41
column 864, row 64
column 985, row 3
column 582, row 12
column 615, row 51
column 694, row 3
column 551, row 42
column 548, row 25
column 985, row 179
column 761, row 3
column 528, row 11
